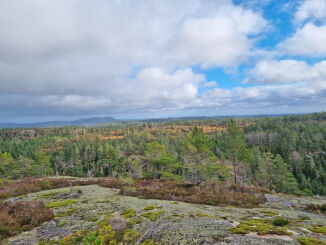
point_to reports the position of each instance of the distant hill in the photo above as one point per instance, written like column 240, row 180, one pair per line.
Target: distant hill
column 102, row 120
column 79, row 122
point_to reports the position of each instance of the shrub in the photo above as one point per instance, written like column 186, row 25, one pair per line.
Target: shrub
column 280, row 221
column 316, row 208
column 206, row 193
column 46, row 184
column 16, row 217
column 30, row 185
column 104, row 236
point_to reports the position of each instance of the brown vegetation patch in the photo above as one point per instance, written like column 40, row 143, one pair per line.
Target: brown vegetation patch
column 165, row 189
column 206, row 193
column 16, row 217
column 315, row 208
column 30, row 185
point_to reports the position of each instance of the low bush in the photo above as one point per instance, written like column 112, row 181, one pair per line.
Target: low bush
column 315, row 208
column 280, row 221
column 16, row 217
column 12, row 188
column 206, row 193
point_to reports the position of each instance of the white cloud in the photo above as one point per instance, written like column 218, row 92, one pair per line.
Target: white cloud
column 310, row 35
column 210, row 84
column 286, row 71
column 219, row 39
column 76, row 56
column 314, row 10
column 307, row 41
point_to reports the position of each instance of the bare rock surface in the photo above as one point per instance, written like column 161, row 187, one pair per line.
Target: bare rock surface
column 178, row 223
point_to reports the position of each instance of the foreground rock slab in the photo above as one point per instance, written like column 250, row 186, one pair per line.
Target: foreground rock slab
column 165, row 222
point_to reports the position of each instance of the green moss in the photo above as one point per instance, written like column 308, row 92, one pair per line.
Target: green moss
column 178, row 215
column 93, row 219
column 135, row 221
column 260, row 226
column 50, row 194
column 280, row 231
column 268, row 213
column 49, row 242
column 148, row 242
column 66, row 213
column 304, row 240
column 128, row 213
column 239, row 230
column 149, row 207
column 130, row 236
column 62, row 223
column 206, row 215
column 104, row 221
column 152, row 216
column 318, row 229
column 60, row 204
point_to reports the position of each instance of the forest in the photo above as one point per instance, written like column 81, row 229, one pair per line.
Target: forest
column 284, row 154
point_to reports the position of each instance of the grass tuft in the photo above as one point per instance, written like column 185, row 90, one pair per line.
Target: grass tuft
column 318, row 229
column 304, row 240
column 61, row 203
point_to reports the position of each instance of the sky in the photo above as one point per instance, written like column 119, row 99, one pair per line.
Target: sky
column 67, row 59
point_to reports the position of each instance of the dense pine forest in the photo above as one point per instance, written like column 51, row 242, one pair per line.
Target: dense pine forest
column 283, row 154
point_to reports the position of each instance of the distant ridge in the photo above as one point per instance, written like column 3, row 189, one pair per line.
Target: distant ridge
column 103, row 120
column 78, row 122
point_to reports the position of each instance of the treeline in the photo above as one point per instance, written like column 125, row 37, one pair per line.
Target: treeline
column 283, row 154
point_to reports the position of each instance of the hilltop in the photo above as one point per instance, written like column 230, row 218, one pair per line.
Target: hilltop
column 83, row 209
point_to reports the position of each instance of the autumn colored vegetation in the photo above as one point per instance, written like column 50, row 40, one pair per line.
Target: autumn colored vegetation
column 316, row 208
column 206, row 193
column 284, row 154
column 16, row 217
column 29, row 185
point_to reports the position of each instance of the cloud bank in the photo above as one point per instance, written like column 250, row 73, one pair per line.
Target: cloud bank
column 76, row 57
